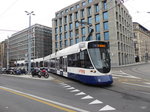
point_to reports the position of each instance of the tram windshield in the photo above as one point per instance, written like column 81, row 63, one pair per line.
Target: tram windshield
column 100, row 57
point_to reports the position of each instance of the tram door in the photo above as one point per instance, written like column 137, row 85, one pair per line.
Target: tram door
column 65, row 66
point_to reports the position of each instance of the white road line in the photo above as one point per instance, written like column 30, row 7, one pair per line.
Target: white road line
column 81, row 93
column 147, row 83
column 76, row 90
column 136, row 85
column 96, row 102
column 62, row 83
column 70, row 88
column 106, row 108
column 67, row 86
column 47, row 100
column 87, row 97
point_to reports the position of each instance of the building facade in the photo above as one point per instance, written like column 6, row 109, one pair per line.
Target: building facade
column 41, row 43
column 110, row 21
column 3, row 54
column 141, row 42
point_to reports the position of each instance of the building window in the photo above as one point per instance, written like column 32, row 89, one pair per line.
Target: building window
column 60, row 28
column 71, row 8
column 65, row 27
column 89, row 1
column 70, row 26
column 62, row 13
column 90, row 38
column 90, row 20
column 83, row 3
column 66, row 43
column 76, row 15
column 97, row 27
column 98, row 36
column 77, row 6
column 89, row 29
column 83, row 31
column 70, row 17
column 60, row 21
column 76, row 32
column 97, row 18
column 65, row 18
column 55, row 22
column 106, row 35
column 82, row 21
column 66, row 35
column 89, row 10
column 60, row 36
column 71, row 41
column 56, row 44
column 66, row 10
column 56, row 30
column 96, row 8
column 105, row 25
column 76, row 24
column 77, row 40
column 104, row 5
column 56, row 37
column 71, row 34
column 105, row 15
column 60, row 44
column 82, row 13
column 83, row 38
column 57, row 14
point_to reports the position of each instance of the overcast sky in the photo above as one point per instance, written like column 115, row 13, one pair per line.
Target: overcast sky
column 13, row 18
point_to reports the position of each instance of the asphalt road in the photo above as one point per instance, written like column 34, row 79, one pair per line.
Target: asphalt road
column 130, row 92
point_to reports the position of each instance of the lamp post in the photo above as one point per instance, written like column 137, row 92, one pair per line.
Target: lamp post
column 29, row 40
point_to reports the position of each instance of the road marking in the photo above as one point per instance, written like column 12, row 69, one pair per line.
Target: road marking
column 76, row 90
column 67, row 86
column 106, row 108
column 51, row 103
column 81, row 93
column 87, row 97
column 147, row 83
column 136, row 85
column 123, row 74
column 95, row 102
column 70, row 88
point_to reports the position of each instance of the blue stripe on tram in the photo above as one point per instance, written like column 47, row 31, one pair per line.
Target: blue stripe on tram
column 92, row 80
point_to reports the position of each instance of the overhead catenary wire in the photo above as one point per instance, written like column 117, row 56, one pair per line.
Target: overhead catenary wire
column 8, row 8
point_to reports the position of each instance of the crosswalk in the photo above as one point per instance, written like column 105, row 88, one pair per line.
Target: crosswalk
column 119, row 73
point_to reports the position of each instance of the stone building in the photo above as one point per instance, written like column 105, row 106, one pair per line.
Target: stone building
column 110, row 21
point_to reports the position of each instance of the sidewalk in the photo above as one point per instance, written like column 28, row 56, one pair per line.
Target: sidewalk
column 128, row 65
column 30, row 76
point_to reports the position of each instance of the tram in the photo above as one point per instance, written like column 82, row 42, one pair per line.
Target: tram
column 87, row 62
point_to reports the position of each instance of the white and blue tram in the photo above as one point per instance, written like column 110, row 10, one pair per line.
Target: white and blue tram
column 87, row 62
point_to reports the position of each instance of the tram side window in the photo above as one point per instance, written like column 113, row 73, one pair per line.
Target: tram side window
column 79, row 60
column 52, row 64
column 41, row 63
column 57, row 64
column 45, row 64
column 61, row 62
column 85, row 60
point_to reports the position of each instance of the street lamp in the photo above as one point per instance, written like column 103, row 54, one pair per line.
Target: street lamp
column 29, row 40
